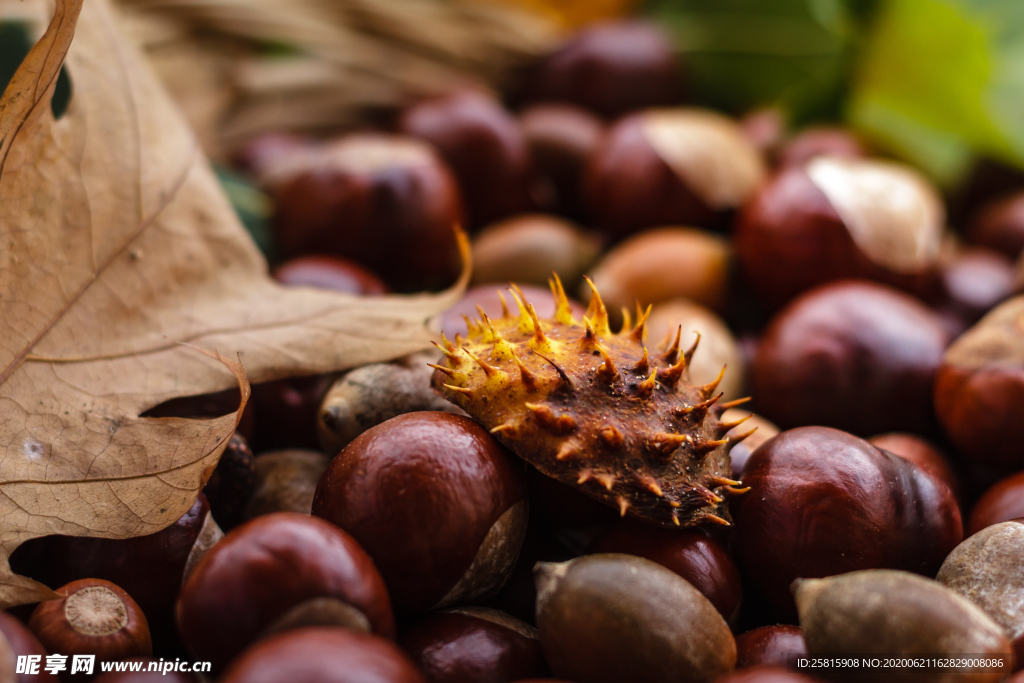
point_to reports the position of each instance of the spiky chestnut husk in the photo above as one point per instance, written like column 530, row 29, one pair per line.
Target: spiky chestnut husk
column 595, row 410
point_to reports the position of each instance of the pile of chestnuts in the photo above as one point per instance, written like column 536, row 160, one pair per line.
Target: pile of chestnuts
column 361, row 529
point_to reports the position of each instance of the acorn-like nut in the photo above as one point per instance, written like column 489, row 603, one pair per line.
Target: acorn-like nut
column 986, row 569
column 999, row 225
column 766, row 674
column 329, row 272
column 979, row 389
column 769, row 646
column 824, row 502
column 279, row 572
column 494, row 299
column 741, row 452
column 288, row 410
column 611, row 68
column 436, row 501
column 375, row 393
column 836, row 218
column 17, row 641
column 473, row 644
column 527, row 249
column 382, row 201
column 485, row 148
column 666, row 263
column 232, row 483
column 93, row 617
column 921, row 453
column 323, row 655
column 670, row 167
column 610, row 618
column 717, row 345
column 561, row 138
column 894, row 613
column 1000, row 503
column 852, row 355
column 819, row 141
column 286, row 481
column 690, row 553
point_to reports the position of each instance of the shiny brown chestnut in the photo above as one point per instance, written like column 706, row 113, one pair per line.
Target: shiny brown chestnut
column 824, row 502
column 93, row 617
column 435, row 500
column 979, row 389
column 329, row 272
column 821, row 141
column 821, row 222
column 286, row 481
column 485, row 148
column 473, row 645
column 232, row 484
column 1000, row 503
column 999, row 225
column 288, row 410
column 561, row 138
column 853, row 355
column 690, row 553
column 769, row 646
column 382, row 201
column 323, row 655
column 611, row 68
column 670, row 167
column 921, row 453
column 279, row 572
column 766, row 674
column 21, row 642
column 488, row 298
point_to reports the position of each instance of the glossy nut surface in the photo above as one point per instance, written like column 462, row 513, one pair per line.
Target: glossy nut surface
column 769, row 646
column 852, row 355
column 329, row 272
column 265, row 568
column 824, row 502
column 921, row 453
column 1000, row 503
column 323, row 655
column 438, row 504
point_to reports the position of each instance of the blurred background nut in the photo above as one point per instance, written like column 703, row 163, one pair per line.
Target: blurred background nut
column 1002, row 502
column 999, row 225
column 769, row 646
column 670, row 167
column 19, row 641
column 896, row 613
column 972, row 281
column 288, row 412
column 561, row 139
column 610, row 618
column 527, row 249
column 372, row 394
column 817, row 141
column 329, row 272
column 286, row 481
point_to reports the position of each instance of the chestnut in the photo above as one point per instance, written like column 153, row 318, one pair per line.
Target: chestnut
column 766, row 674
column 824, row 502
column 561, row 138
column 92, row 617
column 973, row 281
column 834, row 219
column 819, row 141
column 323, row 655
column 379, row 200
column 999, row 225
column 527, row 249
column 690, row 553
column 1000, row 503
column 665, row 263
column 611, row 68
column 485, row 148
column 288, row 411
column 741, row 452
column 490, row 297
column 435, row 500
column 264, row 157
column 17, row 641
column 986, row 570
column 894, row 613
column 611, row 618
column 329, row 272
column 232, row 483
column 474, row 645
column 853, row 355
column 670, row 167
column 769, row 646
column 979, row 389
column 921, row 453
column 279, row 572
column 286, row 481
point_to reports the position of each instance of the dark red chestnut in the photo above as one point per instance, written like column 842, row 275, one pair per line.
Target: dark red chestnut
column 323, row 655
column 279, row 572
column 766, row 674
column 1000, row 226
column 769, row 646
column 379, row 200
column 561, row 138
column 824, row 502
column 979, row 390
column 610, row 68
column 436, row 501
column 836, row 218
column 329, row 272
column 288, row 411
column 484, row 146
column 1003, row 502
column 670, row 167
column 921, row 453
column 21, row 642
column 93, row 617
column 852, row 355
column 690, row 553
column 821, row 141
column 474, row 645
